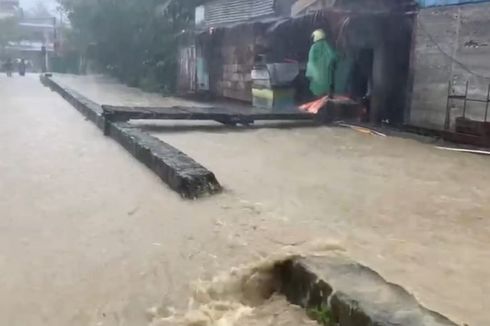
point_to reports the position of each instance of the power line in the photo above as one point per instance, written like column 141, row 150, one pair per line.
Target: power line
column 453, row 59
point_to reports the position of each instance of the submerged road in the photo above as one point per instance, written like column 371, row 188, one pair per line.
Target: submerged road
column 416, row 214
column 89, row 236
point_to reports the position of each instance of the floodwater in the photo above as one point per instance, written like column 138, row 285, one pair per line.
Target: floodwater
column 414, row 213
column 88, row 235
column 93, row 237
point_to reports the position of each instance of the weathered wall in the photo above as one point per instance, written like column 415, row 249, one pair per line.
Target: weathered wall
column 230, row 54
column 452, row 43
column 238, row 53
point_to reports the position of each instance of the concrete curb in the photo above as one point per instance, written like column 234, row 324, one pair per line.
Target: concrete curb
column 353, row 294
column 175, row 168
column 180, row 172
column 89, row 109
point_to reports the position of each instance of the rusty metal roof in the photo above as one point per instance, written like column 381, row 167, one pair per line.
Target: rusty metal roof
column 222, row 12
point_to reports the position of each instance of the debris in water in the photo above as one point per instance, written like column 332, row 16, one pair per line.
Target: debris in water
column 363, row 130
column 463, row 150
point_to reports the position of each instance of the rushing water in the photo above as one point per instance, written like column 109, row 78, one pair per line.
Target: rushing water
column 416, row 214
column 246, row 294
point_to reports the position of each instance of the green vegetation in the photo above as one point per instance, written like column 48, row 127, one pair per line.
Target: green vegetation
column 133, row 40
column 321, row 314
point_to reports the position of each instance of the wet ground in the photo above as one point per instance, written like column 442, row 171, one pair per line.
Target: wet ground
column 91, row 236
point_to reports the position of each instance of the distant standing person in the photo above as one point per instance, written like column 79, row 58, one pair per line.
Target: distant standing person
column 9, row 66
column 22, row 67
column 44, row 64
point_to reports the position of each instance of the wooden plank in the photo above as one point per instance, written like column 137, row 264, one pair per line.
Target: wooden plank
column 121, row 113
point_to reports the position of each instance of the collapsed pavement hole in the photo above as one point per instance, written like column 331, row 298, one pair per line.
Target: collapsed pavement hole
column 293, row 281
column 300, row 286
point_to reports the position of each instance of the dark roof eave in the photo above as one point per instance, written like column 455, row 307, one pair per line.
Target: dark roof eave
column 265, row 20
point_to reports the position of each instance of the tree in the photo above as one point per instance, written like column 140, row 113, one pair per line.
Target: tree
column 134, row 40
column 9, row 31
column 39, row 11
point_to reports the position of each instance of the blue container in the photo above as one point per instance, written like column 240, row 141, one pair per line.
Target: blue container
column 436, row 3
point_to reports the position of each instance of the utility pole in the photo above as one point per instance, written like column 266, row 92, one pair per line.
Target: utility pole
column 44, row 55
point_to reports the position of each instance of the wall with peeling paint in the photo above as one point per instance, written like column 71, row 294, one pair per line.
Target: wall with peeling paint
column 452, row 44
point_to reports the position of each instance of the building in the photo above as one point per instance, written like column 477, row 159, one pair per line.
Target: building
column 231, row 35
column 220, row 56
column 9, row 8
column 450, row 58
column 35, row 39
column 38, row 42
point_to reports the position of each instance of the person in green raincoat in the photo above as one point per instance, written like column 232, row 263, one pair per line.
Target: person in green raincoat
column 320, row 69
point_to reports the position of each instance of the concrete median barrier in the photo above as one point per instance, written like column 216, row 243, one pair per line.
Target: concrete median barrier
column 179, row 171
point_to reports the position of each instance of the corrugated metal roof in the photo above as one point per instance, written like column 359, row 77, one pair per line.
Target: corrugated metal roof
column 220, row 12
column 435, row 3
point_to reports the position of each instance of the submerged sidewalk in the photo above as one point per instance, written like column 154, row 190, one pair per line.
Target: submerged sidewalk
column 417, row 215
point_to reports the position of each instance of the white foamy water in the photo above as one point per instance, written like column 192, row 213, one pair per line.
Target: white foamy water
column 245, row 295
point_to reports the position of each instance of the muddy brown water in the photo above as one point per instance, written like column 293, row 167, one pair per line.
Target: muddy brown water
column 416, row 214
column 88, row 235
